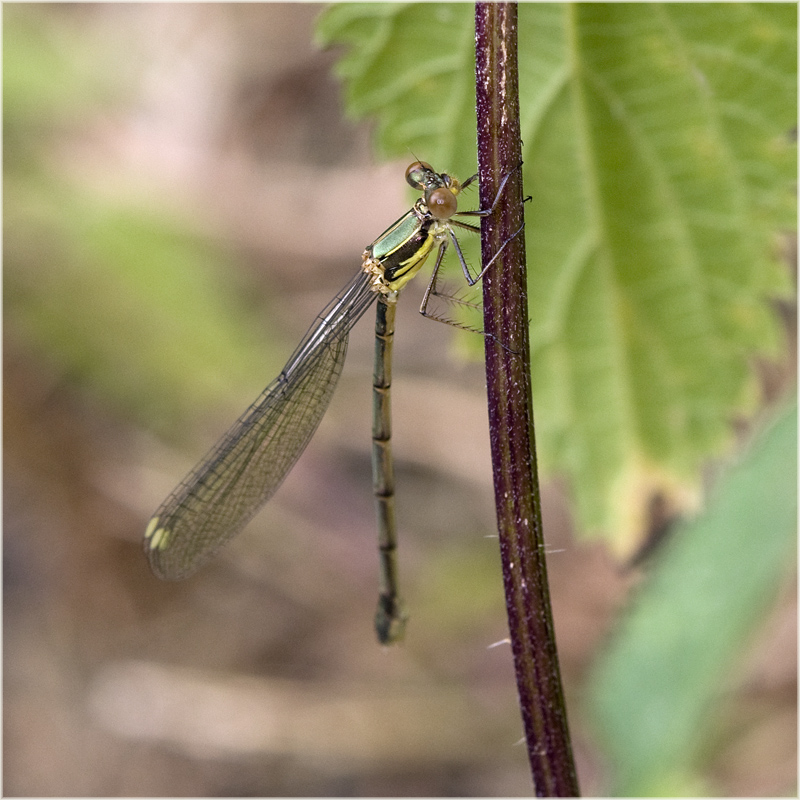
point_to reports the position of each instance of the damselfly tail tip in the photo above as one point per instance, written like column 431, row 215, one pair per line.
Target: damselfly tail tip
column 390, row 620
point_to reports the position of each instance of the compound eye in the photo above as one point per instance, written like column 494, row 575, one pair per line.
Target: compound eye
column 442, row 203
column 416, row 172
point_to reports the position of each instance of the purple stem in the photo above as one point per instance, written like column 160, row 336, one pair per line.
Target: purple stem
column 516, row 484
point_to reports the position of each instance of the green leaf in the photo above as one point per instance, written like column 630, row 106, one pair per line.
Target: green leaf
column 652, row 694
column 413, row 66
column 659, row 158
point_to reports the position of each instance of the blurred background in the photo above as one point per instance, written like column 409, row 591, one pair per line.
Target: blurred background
column 182, row 196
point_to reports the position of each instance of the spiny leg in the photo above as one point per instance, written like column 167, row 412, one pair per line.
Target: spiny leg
column 470, row 280
column 431, row 291
column 431, row 287
column 475, row 229
column 484, row 212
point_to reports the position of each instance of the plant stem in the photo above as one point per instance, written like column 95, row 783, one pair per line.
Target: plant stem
column 516, row 483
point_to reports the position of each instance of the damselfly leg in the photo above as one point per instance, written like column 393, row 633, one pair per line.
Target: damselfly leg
column 457, row 300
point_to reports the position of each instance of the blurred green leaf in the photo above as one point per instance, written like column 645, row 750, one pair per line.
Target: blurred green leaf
column 127, row 303
column 130, row 303
column 654, row 689
column 42, row 79
column 658, row 153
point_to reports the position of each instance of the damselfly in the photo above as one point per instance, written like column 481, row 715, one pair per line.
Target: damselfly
column 244, row 469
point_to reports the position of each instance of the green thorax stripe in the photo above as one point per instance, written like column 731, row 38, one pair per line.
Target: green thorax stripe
column 402, row 248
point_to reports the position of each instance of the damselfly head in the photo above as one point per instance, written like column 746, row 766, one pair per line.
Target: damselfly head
column 420, row 175
column 440, row 189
